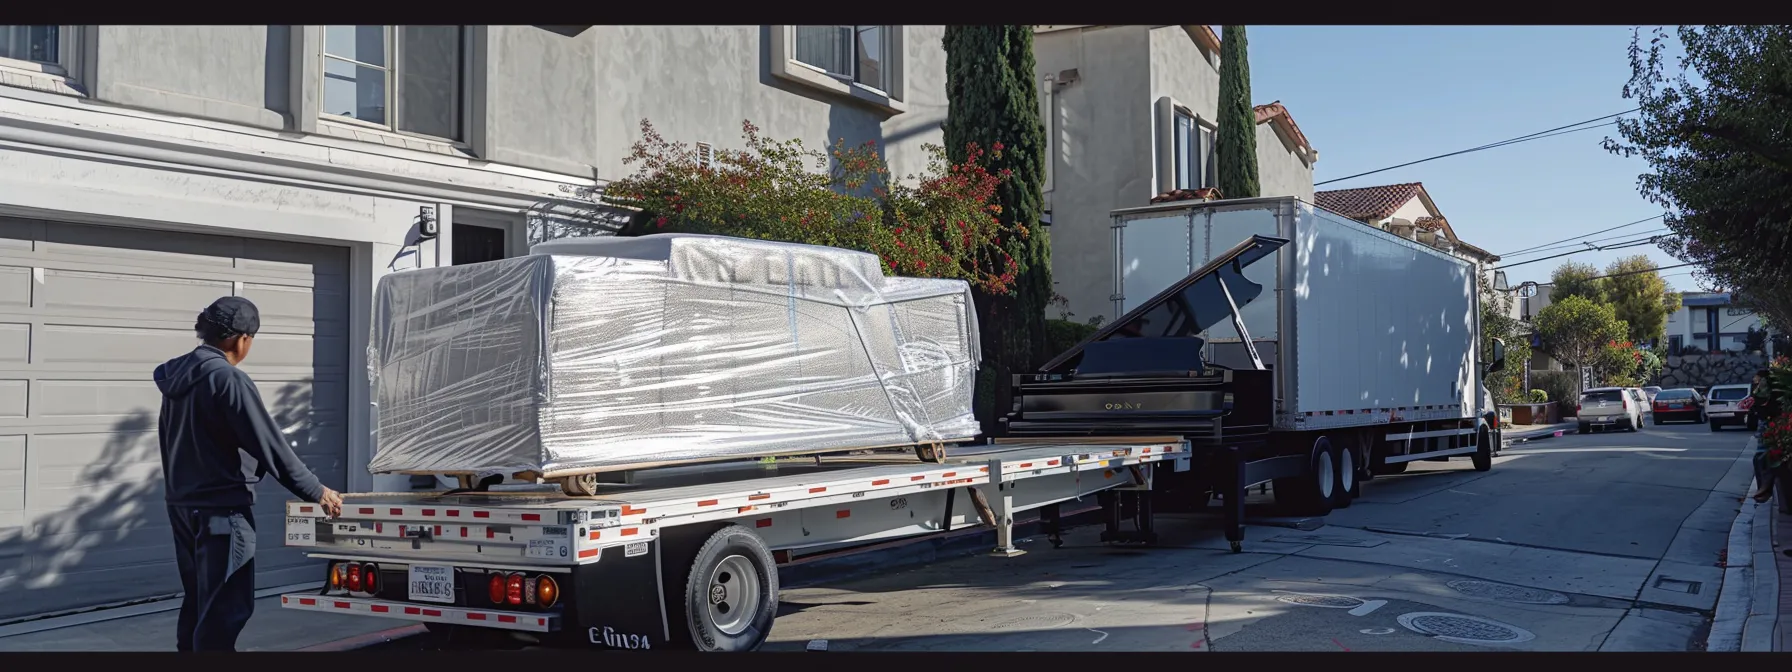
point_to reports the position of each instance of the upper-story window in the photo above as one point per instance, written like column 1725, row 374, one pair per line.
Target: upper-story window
column 854, row 53
column 1193, row 144
column 406, row 79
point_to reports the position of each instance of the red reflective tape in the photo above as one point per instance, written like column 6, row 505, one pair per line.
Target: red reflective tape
column 708, row 502
column 1024, row 465
column 590, row 553
column 307, row 602
column 379, row 528
column 489, row 534
column 506, row 619
column 283, row 599
column 304, row 509
column 535, row 517
column 366, row 510
column 380, row 608
column 412, row 611
column 762, row 522
column 454, row 513
column 1051, row 463
column 815, row 490
column 916, row 478
column 594, row 535
column 881, row 481
column 630, row 531
column 949, row 474
column 341, row 605
column 754, row 498
column 482, row 514
column 475, row 616
column 630, row 511
column 429, row 513
column 744, row 509
column 401, row 529
column 541, row 621
column 396, row 512
column 432, row 612
column 463, row 532
column 984, row 470
column 843, row 513
column 438, row 530
column 1108, row 473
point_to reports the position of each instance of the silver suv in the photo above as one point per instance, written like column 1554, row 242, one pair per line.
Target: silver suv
column 1615, row 407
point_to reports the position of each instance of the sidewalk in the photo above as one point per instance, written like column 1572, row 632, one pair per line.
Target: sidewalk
column 271, row 629
column 1511, row 434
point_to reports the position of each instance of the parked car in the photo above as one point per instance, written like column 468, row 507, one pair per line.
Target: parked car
column 1609, row 407
column 1645, row 411
column 1725, row 408
column 1679, row 405
column 1652, row 390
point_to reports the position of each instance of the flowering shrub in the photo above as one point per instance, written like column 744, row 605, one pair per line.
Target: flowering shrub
column 943, row 226
column 1776, row 439
column 1617, row 363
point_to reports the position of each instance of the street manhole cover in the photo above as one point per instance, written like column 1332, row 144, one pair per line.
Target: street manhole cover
column 1503, row 592
column 1327, row 601
column 1463, row 629
column 1034, row 622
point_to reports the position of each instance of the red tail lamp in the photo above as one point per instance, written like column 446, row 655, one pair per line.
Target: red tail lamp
column 514, row 589
column 370, row 578
column 354, row 578
column 497, row 589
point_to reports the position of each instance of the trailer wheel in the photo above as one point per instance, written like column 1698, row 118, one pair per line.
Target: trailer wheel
column 1348, row 488
column 1483, row 455
column 1313, row 492
column 731, row 594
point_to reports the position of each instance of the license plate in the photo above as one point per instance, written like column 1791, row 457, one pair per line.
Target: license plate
column 1675, row 407
column 301, row 531
column 432, row 583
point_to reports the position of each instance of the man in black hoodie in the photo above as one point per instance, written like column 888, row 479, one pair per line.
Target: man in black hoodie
column 218, row 441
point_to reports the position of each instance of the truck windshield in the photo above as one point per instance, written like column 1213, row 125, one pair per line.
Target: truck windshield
column 1610, row 396
column 1729, row 393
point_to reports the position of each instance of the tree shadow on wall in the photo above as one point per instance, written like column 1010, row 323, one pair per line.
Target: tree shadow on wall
column 96, row 532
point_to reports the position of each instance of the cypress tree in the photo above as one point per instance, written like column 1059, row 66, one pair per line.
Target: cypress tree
column 993, row 98
column 1237, row 137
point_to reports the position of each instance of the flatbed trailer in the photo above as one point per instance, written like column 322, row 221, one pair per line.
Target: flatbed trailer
column 683, row 557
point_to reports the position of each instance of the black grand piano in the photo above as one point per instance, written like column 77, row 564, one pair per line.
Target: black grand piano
column 1145, row 374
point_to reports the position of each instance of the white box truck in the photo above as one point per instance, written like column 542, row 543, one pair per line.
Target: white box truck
column 1291, row 345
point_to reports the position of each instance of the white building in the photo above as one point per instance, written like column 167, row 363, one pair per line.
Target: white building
column 1703, row 314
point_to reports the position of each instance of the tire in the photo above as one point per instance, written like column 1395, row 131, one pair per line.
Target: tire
column 1348, row 487
column 1313, row 492
column 1584, row 428
column 1716, row 427
column 1483, row 455
column 731, row 592
column 1656, row 421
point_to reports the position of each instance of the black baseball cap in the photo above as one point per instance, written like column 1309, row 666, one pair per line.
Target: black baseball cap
column 232, row 315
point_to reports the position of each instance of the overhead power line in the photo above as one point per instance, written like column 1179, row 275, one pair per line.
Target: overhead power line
column 1624, row 238
column 1590, row 248
column 1559, row 130
column 1595, row 233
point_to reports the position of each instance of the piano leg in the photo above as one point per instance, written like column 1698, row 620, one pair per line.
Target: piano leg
column 1051, row 523
column 1235, row 485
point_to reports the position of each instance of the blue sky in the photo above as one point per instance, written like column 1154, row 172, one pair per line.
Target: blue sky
column 1369, row 97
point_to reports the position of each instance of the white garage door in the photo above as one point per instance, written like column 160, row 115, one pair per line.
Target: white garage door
column 86, row 314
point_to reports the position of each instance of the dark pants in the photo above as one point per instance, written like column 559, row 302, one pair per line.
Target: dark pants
column 214, row 549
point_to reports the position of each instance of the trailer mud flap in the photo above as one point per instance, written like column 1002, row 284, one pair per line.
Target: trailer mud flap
column 619, row 601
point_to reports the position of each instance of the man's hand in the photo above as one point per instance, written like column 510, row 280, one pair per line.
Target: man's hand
column 332, row 502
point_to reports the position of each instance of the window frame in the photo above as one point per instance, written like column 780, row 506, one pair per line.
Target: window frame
column 462, row 96
column 64, row 77
column 853, row 77
column 1169, row 151
column 67, row 55
column 1202, row 144
column 891, row 98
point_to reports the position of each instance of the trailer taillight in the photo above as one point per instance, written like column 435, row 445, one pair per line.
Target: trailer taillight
column 496, row 590
column 547, row 592
column 338, row 576
column 514, row 589
column 370, row 578
column 354, row 578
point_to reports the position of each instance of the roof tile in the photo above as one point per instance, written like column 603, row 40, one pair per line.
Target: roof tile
column 1367, row 202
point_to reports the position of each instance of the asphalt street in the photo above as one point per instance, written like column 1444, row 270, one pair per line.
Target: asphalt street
column 1602, row 542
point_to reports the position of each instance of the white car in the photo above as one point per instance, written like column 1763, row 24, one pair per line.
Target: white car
column 1616, row 407
column 1724, row 406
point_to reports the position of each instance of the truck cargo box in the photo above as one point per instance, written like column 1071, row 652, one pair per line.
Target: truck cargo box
column 605, row 354
column 1364, row 326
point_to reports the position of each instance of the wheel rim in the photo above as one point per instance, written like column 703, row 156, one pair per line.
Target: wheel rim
column 732, row 597
column 1323, row 470
column 1347, row 469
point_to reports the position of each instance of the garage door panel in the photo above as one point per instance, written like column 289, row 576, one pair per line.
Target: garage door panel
column 80, row 469
column 15, row 286
column 128, row 295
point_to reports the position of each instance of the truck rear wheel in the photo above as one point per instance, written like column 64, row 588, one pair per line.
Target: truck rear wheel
column 731, row 593
column 1348, row 487
column 1313, row 491
column 1483, row 455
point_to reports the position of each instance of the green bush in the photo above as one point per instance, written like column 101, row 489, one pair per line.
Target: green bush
column 1538, row 397
column 1563, row 386
column 1061, row 335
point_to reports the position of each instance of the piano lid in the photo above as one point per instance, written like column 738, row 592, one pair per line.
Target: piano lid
column 1187, row 308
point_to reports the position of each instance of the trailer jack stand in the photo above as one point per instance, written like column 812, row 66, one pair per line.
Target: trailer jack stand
column 1002, row 519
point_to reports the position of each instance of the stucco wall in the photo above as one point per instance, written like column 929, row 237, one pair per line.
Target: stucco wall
column 1102, row 150
column 1280, row 170
column 539, row 87
column 229, row 73
column 706, row 80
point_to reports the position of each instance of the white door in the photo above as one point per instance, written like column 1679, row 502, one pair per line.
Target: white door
column 86, row 314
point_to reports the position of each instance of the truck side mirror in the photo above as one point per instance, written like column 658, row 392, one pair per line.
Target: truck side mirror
column 1499, row 357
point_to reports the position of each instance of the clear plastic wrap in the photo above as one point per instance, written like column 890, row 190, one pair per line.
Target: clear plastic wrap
column 612, row 353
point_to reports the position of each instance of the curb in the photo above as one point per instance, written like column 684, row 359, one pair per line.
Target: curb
column 1748, row 603
column 1531, row 436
